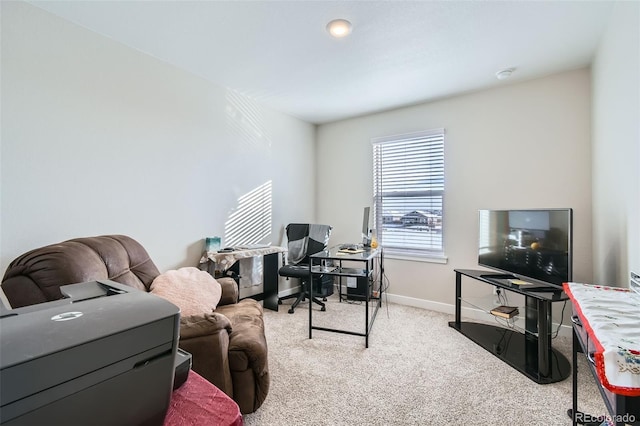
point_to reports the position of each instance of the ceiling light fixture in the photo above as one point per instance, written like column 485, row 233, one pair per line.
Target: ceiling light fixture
column 505, row 73
column 339, row 28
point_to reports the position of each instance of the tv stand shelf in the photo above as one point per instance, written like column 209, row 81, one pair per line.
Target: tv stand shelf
column 487, row 303
column 530, row 351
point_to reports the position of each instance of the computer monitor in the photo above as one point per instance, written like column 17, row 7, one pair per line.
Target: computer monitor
column 366, row 233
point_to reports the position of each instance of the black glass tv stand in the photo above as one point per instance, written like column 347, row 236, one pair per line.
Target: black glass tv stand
column 528, row 350
column 499, row 276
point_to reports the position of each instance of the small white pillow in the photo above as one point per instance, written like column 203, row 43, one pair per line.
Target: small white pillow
column 194, row 291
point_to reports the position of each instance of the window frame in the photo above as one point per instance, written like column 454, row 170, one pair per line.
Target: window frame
column 432, row 136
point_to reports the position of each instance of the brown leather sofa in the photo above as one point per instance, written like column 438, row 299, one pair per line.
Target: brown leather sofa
column 228, row 346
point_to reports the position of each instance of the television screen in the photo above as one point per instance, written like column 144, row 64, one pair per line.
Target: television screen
column 534, row 244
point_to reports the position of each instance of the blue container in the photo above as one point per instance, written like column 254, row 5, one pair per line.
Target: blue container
column 212, row 244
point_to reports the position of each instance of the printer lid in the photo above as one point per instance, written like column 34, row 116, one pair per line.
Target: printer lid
column 99, row 326
column 94, row 311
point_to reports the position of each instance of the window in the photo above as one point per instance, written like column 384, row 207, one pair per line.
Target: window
column 408, row 191
column 484, row 241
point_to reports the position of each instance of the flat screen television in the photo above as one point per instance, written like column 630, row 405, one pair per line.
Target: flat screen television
column 534, row 245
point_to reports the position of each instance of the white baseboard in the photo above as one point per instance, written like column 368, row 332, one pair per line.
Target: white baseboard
column 445, row 308
column 467, row 313
column 292, row 290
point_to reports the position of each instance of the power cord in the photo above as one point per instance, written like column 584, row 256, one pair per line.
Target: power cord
column 561, row 321
column 502, row 297
column 385, row 284
column 509, row 323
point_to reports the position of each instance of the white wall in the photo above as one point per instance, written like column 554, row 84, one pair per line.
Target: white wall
column 616, row 148
column 524, row 145
column 98, row 138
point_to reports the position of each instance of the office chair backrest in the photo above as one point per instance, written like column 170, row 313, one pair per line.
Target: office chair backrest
column 306, row 239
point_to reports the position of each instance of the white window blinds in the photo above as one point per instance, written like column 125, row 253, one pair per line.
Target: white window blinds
column 484, row 242
column 408, row 186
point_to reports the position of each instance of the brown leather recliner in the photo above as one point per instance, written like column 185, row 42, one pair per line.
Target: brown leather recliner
column 228, row 346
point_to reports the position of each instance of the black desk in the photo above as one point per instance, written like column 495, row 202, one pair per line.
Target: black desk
column 330, row 262
column 529, row 351
column 214, row 262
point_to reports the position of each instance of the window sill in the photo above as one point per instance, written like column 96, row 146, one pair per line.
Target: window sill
column 442, row 259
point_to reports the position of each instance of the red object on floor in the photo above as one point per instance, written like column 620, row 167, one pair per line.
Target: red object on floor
column 198, row 402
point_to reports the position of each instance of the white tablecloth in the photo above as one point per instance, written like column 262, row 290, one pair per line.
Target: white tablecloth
column 611, row 317
column 226, row 260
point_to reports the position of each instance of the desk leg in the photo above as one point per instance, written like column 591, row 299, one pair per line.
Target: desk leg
column 310, row 294
column 340, row 282
column 574, row 379
column 380, row 278
column 367, row 293
column 458, row 298
column 270, row 280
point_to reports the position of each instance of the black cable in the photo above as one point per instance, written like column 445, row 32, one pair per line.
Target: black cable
column 384, row 282
column 505, row 340
column 502, row 297
column 561, row 321
column 506, row 322
column 350, row 301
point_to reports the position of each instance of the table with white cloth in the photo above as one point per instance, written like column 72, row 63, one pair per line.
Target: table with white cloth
column 606, row 327
column 264, row 262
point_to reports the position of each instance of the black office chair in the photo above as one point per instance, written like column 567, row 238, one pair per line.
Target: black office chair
column 304, row 239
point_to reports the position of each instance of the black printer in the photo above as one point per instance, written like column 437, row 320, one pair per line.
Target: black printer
column 103, row 355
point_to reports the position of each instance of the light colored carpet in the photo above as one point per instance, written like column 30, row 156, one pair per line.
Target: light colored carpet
column 416, row 371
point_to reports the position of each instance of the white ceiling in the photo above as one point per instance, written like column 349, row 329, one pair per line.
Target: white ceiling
column 399, row 53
